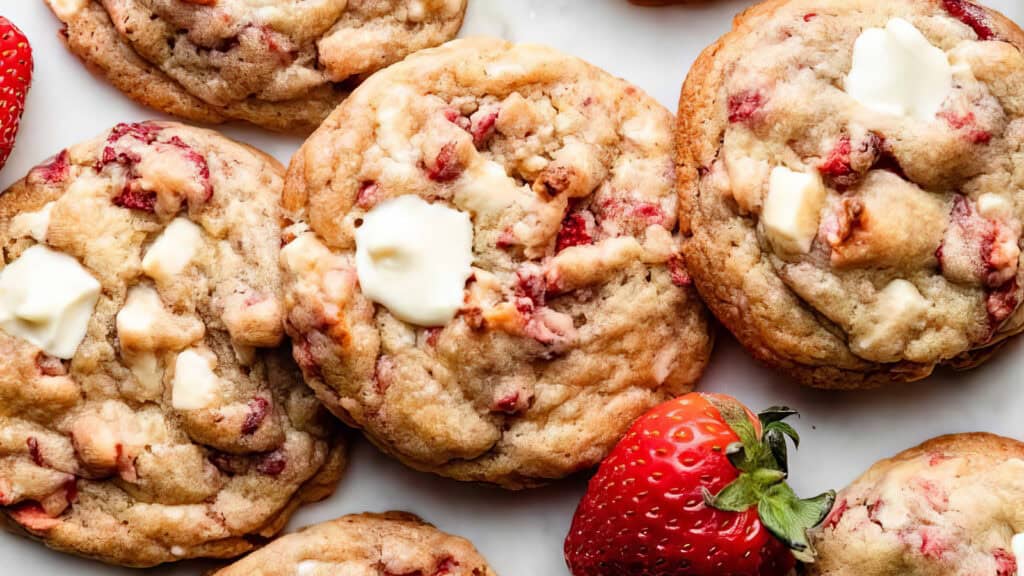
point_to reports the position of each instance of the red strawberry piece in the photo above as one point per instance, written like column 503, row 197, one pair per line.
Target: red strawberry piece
column 696, row 487
column 369, row 195
column 35, row 452
column 1002, row 303
column 446, row 166
column 837, row 515
column 573, row 232
column 383, row 374
column 972, row 15
column 744, row 105
column 846, row 164
column 258, row 408
column 33, row 518
column 272, row 463
column 136, row 199
column 50, row 366
column 446, row 566
column 967, row 123
column 202, row 167
column 482, row 127
column 15, row 78
column 54, row 171
column 678, row 272
column 1006, row 562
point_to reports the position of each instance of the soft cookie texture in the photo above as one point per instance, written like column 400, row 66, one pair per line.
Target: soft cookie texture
column 578, row 315
column 365, row 544
column 281, row 64
column 176, row 427
column 856, row 241
column 949, row 507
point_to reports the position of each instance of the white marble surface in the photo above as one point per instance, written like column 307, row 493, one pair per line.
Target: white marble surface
column 521, row 533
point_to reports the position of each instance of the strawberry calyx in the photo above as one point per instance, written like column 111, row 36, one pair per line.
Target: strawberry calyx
column 761, row 459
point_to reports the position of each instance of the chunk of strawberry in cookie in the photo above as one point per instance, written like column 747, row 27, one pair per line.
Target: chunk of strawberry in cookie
column 967, row 124
column 33, row 518
column 624, row 216
column 745, row 106
column 1002, row 302
column 976, row 249
column 55, row 171
column 482, row 125
column 160, row 174
column 848, row 161
column 1006, row 562
column 577, row 230
column 445, row 166
column 971, row 15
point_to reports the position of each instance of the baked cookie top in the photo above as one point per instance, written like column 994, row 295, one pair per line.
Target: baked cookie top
column 147, row 413
column 851, row 182
column 950, row 507
column 283, row 64
column 365, row 544
column 537, row 189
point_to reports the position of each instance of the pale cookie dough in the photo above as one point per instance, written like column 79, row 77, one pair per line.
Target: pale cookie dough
column 155, row 418
column 578, row 314
column 852, row 189
column 281, row 64
column 390, row 544
column 950, row 507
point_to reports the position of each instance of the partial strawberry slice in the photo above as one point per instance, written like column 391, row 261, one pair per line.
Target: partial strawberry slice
column 15, row 78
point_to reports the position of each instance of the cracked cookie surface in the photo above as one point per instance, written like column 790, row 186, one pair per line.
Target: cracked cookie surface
column 578, row 316
column 365, row 545
column 178, row 427
column 282, row 64
column 949, row 507
column 893, row 243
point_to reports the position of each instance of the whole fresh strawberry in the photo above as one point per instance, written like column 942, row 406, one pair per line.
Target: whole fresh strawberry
column 15, row 77
column 696, row 487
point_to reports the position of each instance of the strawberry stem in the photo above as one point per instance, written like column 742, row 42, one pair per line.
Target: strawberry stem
column 762, row 461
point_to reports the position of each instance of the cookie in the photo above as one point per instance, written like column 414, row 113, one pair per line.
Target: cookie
column 482, row 270
column 391, row 543
column 950, row 507
column 148, row 412
column 283, row 65
column 847, row 173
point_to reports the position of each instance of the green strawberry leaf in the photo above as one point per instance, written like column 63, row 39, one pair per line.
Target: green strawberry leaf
column 789, row 518
column 739, row 496
column 776, row 414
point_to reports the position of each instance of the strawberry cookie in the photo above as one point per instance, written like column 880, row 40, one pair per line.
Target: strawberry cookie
column 482, row 267
column 281, row 64
column 950, row 507
column 850, row 176
column 147, row 411
column 365, row 544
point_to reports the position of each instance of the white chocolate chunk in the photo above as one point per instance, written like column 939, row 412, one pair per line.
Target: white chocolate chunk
column 196, row 386
column 897, row 71
column 792, row 209
column 995, row 207
column 173, row 251
column 140, row 314
column 47, row 298
column 65, row 9
column 897, row 313
column 146, row 368
column 33, row 224
column 487, row 189
column 414, row 258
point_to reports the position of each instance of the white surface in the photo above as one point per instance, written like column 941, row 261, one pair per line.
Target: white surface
column 521, row 533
